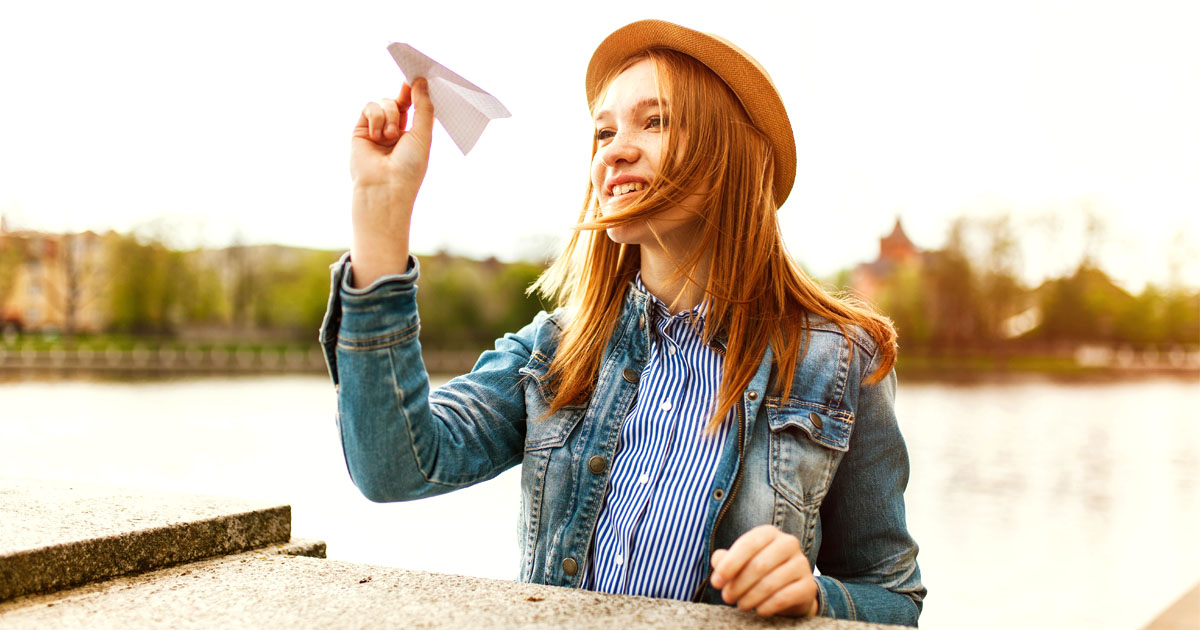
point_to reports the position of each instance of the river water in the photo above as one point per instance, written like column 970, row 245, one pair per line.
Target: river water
column 1036, row 504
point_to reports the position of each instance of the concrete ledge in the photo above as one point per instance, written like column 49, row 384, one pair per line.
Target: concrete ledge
column 300, row 547
column 261, row 590
column 58, row 534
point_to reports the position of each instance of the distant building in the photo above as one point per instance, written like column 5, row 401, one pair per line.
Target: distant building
column 51, row 282
column 895, row 251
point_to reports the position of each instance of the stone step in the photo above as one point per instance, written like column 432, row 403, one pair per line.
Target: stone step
column 55, row 535
column 260, row 590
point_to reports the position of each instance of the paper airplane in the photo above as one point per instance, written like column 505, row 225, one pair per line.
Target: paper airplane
column 463, row 107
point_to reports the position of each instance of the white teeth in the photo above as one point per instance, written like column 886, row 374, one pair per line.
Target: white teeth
column 622, row 189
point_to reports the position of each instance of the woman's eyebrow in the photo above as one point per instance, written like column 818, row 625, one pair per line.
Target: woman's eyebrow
column 645, row 103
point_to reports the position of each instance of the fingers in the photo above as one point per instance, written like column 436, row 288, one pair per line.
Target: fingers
column 423, row 120
column 780, row 550
column 403, row 103
column 782, row 578
column 797, row 599
column 370, row 123
column 383, row 121
column 765, row 570
column 391, row 120
column 741, row 552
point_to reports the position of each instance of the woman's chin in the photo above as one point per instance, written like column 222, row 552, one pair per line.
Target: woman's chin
column 625, row 234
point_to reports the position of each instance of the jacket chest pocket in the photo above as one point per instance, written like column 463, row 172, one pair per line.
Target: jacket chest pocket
column 807, row 442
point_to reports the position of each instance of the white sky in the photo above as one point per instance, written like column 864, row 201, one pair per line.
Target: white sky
column 225, row 120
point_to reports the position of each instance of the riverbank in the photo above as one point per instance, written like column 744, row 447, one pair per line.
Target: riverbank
column 130, row 357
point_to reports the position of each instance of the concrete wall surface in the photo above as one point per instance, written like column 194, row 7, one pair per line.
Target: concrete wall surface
column 82, row 556
column 257, row 590
column 56, row 535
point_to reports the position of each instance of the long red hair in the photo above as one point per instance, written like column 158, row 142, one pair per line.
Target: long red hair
column 757, row 295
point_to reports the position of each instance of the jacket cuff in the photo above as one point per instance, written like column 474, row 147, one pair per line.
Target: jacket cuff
column 833, row 599
column 347, row 272
column 388, row 301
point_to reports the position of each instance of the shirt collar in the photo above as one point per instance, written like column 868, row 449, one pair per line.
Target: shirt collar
column 660, row 311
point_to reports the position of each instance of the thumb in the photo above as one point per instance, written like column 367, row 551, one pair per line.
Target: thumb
column 423, row 120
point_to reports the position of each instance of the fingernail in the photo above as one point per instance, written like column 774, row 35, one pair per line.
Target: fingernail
column 391, row 130
column 421, row 84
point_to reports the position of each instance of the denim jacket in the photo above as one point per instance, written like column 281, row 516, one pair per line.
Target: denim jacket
column 828, row 464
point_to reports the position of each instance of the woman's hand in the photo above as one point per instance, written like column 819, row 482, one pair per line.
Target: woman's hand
column 387, row 165
column 765, row 571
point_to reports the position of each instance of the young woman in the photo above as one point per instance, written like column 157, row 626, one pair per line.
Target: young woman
column 699, row 420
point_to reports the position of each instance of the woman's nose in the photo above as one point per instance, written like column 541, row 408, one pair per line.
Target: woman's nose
column 621, row 149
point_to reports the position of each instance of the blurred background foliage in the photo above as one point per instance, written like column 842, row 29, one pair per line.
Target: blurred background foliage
column 965, row 298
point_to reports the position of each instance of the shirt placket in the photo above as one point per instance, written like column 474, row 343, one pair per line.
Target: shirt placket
column 665, row 413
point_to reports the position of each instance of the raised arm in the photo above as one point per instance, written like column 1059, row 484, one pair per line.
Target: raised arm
column 387, row 165
column 402, row 441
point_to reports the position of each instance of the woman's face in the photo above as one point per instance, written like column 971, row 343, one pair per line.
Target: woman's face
column 630, row 127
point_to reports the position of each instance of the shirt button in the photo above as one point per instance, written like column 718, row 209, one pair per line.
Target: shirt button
column 671, row 350
column 597, row 464
column 570, row 567
column 665, row 406
column 619, row 560
column 644, row 478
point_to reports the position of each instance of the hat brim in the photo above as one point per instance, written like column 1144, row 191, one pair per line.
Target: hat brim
column 741, row 72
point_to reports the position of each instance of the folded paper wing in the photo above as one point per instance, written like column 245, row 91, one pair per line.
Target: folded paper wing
column 463, row 107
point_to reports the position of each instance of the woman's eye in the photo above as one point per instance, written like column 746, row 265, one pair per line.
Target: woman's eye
column 604, row 134
column 656, row 121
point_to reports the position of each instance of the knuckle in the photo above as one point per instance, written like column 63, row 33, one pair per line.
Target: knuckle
column 759, row 565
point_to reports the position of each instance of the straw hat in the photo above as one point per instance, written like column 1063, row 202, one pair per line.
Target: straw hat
column 745, row 76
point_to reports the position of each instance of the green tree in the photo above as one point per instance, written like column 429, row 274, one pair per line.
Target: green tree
column 147, row 282
column 953, row 304
column 906, row 301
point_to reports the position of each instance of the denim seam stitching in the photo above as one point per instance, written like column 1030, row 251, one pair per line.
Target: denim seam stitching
column 853, row 614
column 379, row 341
column 409, row 427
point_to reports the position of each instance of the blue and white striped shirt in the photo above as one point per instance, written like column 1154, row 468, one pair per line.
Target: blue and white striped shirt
column 649, row 538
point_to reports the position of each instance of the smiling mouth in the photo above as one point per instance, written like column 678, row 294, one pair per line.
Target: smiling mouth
column 624, row 189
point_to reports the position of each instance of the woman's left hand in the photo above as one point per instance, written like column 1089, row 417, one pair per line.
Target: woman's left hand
column 765, row 571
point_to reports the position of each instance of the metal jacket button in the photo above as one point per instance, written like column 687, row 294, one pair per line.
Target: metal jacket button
column 597, row 464
column 630, row 375
column 816, row 420
column 752, row 395
column 570, row 567
column 718, row 494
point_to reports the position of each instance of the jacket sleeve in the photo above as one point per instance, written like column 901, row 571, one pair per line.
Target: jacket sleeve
column 868, row 560
column 401, row 441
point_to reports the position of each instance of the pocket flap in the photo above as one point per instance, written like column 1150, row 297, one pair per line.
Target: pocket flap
column 542, row 431
column 828, row 427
